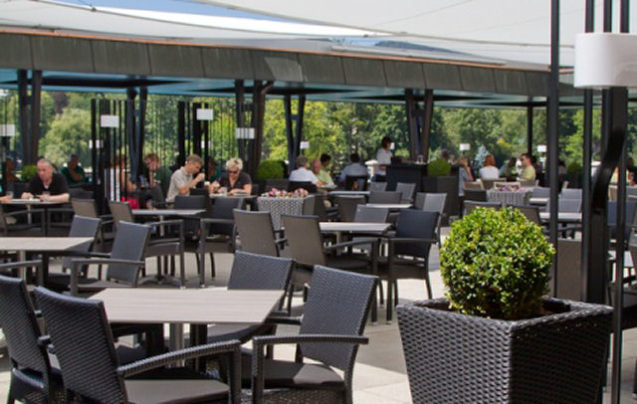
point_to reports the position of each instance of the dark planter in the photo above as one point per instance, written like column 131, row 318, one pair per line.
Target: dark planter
column 444, row 185
column 456, row 358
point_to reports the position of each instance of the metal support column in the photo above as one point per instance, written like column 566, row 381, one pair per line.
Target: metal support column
column 529, row 128
column 141, row 128
column 181, row 133
column 36, row 111
column 425, row 133
column 294, row 128
column 412, row 123
column 258, row 116
column 553, row 125
column 23, row 102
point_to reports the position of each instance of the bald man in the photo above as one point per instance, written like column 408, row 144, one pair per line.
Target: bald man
column 48, row 186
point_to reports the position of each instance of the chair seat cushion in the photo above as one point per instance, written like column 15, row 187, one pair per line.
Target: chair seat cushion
column 284, row 374
column 175, row 391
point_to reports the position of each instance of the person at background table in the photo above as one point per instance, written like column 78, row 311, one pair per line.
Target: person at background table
column 323, row 171
column 464, row 174
column 48, row 186
column 233, row 180
column 11, row 177
column 214, row 171
column 73, row 171
column 383, row 159
column 509, row 170
column 302, row 174
column 120, row 185
column 489, row 171
column 184, row 179
column 353, row 169
column 158, row 175
column 528, row 171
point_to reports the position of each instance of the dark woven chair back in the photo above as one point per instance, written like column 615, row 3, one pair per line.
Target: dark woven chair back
column 371, row 215
column 156, row 194
column 308, row 186
column 223, row 209
column 121, row 212
column 356, row 182
column 82, row 227
column 190, row 202
column 469, row 206
column 431, row 202
column 280, row 184
column 80, row 193
column 479, row 195
column 20, row 327
column 256, row 232
column 83, row 345
column 308, row 205
column 253, row 271
column 347, row 207
column 407, row 189
column 377, row 186
column 530, row 212
column 338, row 303
column 612, row 218
column 84, row 207
column 130, row 243
column 385, row 197
column 414, row 223
column 571, row 193
column 541, row 192
column 304, row 239
column 566, row 205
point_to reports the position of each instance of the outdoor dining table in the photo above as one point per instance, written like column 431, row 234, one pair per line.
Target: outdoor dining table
column 44, row 205
column 354, row 227
column 177, row 307
column 167, row 212
column 46, row 246
column 562, row 217
column 539, row 200
column 390, row 206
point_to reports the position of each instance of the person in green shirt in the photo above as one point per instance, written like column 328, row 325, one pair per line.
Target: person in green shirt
column 320, row 169
column 73, row 172
column 528, row 171
column 158, row 175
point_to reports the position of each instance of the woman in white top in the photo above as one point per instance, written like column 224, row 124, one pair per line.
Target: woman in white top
column 383, row 158
column 489, row 171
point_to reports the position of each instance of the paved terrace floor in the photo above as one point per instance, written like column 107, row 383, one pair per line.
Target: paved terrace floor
column 380, row 372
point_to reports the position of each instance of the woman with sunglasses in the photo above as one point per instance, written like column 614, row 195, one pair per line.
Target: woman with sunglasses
column 233, row 181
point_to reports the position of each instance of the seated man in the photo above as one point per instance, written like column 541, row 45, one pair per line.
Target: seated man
column 73, row 172
column 354, row 168
column 302, row 174
column 182, row 181
column 48, row 186
column 158, row 175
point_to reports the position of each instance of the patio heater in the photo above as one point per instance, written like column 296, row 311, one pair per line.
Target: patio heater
column 608, row 61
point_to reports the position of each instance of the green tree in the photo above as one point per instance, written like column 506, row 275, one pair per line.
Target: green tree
column 69, row 133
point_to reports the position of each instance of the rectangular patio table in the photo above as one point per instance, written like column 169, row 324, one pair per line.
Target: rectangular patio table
column 354, row 227
column 390, row 206
column 167, row 212
column 348, row 193
column 46, row 246
column 562, row 217
column 44, row 205
column 188, row 306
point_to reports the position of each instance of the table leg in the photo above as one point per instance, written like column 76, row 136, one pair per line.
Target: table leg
column 43, row 273
column 176, row 340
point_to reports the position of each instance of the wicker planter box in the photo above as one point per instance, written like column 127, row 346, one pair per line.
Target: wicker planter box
column 456, row 358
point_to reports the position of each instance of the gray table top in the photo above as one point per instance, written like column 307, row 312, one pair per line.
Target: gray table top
column 352, row 193
column 562, row 216
column 390, row 205
column 41, row 243
column 33, row 201
column 167, row 212
column 356, row 227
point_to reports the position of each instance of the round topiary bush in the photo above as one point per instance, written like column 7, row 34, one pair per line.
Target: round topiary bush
column 438, row 168
column 269, row 169
column 574, row 168
column 495, row 263
column 28, row 172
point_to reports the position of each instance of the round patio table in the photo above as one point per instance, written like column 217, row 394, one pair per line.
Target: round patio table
column 280, row 205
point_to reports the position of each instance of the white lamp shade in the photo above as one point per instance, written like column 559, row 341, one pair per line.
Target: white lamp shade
column 604, row 60
column 541, row 148
column 304, row 144
column 465, row 146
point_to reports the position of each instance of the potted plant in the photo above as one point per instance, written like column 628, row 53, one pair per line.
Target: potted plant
column 496, row 337
column 440, row 179
column 270, row 172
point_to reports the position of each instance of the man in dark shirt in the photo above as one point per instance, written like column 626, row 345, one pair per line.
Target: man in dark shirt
column 47, row 185
column 73, row 172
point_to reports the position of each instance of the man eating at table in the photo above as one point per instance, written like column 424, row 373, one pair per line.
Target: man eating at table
column 47, row 186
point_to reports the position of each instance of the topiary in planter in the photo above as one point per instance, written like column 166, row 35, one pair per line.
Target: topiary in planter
column 574, row 168
column 269, row 169
column 28, row 172
column 438, row 168
column 495, row 263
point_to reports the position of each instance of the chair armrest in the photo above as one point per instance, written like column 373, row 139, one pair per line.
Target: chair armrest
column 226, row 347
column 23, row 212
column 281, row 319
column 21, row 264
column 44, row 340
column 412, row 240
column 261, row 341
column 76, row 263
column 363, row 241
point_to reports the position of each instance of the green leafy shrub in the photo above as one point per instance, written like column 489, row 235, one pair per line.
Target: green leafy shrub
column 28, row 172
column 270, row 169
column 574, row 168
column 438, row 168
column 496, row 264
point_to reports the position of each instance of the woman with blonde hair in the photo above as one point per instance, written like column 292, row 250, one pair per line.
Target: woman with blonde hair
column 233, row 181
column 489, row 171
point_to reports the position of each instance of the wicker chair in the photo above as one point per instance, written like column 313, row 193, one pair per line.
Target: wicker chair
column 479, row 195
column 359, row 180
column 330, row 331
column 16, row 229
column 75, row 323
column 347, row 207
column 385, row 197
column 541, row 192
column 255, row 272
column 433, row 202
column 377, row 186
column 530, row 212
column 32, row 378
column 469, row 206
column 371, row 215
column 571, row 193
column 88, row 208
column 408, row 255
column 256, row 233
column 407, row 190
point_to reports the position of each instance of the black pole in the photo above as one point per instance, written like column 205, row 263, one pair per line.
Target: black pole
column 412, row 125
column 36, row 110
column 425, row 139
column 529, row 128
column 23, row 102
column 553, row 124
column 181, row 133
